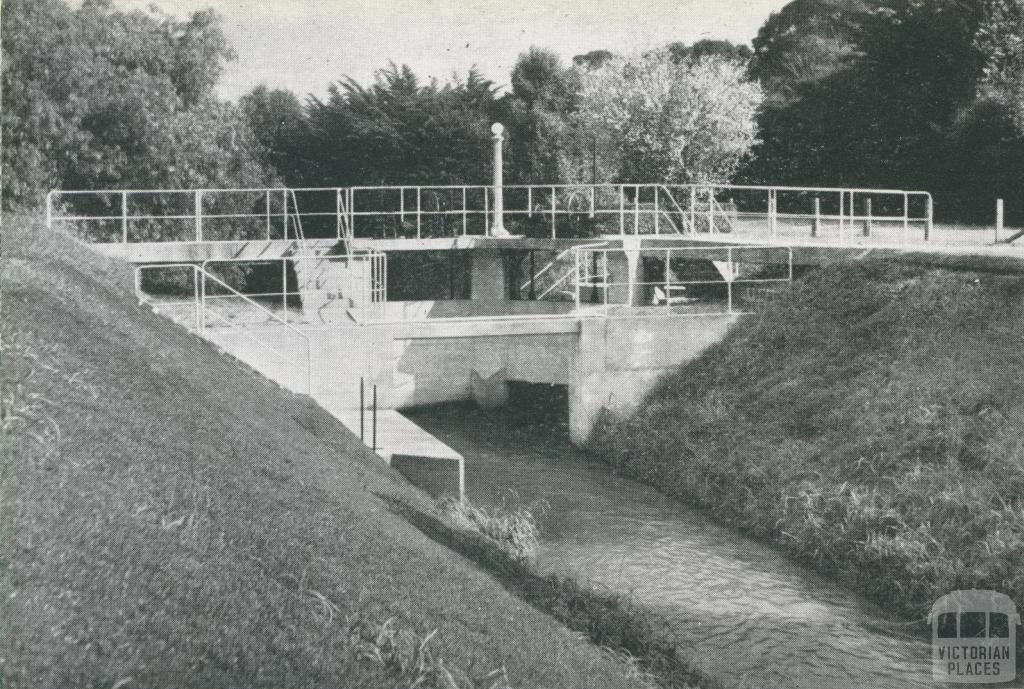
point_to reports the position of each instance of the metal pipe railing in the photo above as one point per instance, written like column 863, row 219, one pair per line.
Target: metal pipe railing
column 368, row 210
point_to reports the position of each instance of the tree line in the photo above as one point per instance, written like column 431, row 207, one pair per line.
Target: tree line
column 919, row 94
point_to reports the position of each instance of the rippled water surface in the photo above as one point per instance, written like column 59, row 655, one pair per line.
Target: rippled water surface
column 743, row 614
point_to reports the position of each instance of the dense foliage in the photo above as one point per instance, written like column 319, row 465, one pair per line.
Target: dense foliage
column 99, row 98
column 685, row 121
column 894, row 93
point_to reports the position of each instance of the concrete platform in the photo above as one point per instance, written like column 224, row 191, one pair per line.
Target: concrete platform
column 423, row 459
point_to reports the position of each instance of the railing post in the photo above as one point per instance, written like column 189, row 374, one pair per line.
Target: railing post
column 711, row 210
column 999, row 219
column 929, row 226
column 842, row 214
column 202, row 301
column 622, row 210
column 401, row 206
column 636, row 210
column 657, row 213
column 529, row 201
column 554, row 211
column 419, row 213
column 268, row 215
column 49, row 210
column 773, row 210
column 693, row 210
column 124, row 216
column 465, row 217
column 337, row 212
column 579, row 278
column 592, row 201
column 284, row 288
column 284, row 213
column 732, row 276
column 906, row 217
column 668, row 281
column 199, row 215
column 867, row 219
column 816, row 225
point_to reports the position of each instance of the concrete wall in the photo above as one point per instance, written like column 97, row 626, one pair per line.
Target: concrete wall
column 408, row 369
column 620, row 359
column 607, row 363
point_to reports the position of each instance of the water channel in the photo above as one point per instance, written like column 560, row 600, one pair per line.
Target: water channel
column 744, row 614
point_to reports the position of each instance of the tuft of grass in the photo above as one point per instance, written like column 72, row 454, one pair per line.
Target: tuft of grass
column 871, row 422
column 405, row 658
column 513, row 529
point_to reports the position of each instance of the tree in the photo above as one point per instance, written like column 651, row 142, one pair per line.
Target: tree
column 687, row 122
column 545, row 145
column 709, row 47
column 1000, row 40
column 278, row 123
column 399, row 131
column 97, row 98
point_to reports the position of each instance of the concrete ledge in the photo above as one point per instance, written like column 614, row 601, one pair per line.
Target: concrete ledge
column 437, row 476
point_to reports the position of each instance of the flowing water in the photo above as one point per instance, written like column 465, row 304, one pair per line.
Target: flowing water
column 741, row 612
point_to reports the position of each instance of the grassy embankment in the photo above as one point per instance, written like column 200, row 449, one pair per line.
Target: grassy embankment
column 173, row 519
column 871, row 422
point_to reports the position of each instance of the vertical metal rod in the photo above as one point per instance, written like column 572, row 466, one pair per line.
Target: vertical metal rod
column 419, row 214
column 284, row 213
column 124, row 217
column 533, row 275
column 554, row 210
column 668, row 281
column 374, row 417
column 202, row 301
column 605, row 278
column 906, row 217
column 195, row 295
column 999, row 219
column 816, row 225
column 842, row 214
column 529, row 202
column 401, row 205
column 622, row 209
column 199, row 215
column 773, row 210
column 693, row 210
column 337, row 212
column 49, row 210
column 465, row 218
column 592, row 188
column 636, row 209
column 579, row 277
column 711, row 210
column 487, row 211
column 268, row 215
column 728, row 283
column 657, row 213
column 867, row 220
column 284, row 288
column 362, row 408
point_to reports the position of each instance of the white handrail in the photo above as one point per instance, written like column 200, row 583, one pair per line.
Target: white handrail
column 200, row 276
column 556, row 259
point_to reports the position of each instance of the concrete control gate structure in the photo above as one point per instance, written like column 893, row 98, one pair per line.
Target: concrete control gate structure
column 602, row 288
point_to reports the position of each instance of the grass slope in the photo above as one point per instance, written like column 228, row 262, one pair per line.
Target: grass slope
column 173, row 519
column 871, row 422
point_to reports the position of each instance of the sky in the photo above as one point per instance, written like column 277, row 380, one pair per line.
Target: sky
column 305, row 45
